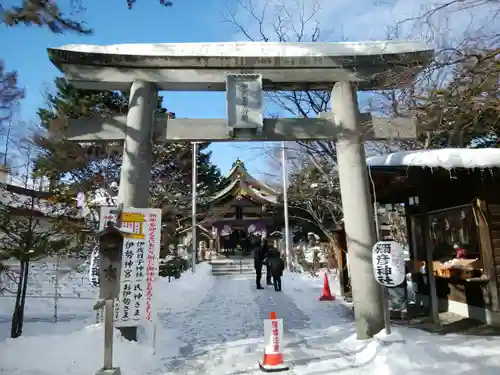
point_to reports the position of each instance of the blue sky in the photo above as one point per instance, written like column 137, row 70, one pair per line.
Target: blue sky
column 24, row 49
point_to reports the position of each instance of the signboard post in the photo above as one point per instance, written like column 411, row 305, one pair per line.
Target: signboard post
column 389, row 270
column 111, row 241
column 139, row 264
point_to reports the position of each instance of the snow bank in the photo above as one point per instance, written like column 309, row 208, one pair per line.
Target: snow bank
column 406, row 351
column 77, row 297
column 77, row 353
column 305, row 290
column 180, row 295
column 410, row 352
column 71, row 347
column 447, row 158
column 44, row 307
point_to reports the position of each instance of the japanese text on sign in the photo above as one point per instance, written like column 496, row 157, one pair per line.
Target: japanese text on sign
column 94, row 267
column 275, row 335
column 139, row 264
column 151, row 266
column 388, row 263
column 244, row 101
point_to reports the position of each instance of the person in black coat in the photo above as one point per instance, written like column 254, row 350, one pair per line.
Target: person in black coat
column 259, row 253
column 269, row 279
column 276, row 265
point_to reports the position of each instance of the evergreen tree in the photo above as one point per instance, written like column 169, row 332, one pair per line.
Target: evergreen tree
column 86, row 165
column 90, row 165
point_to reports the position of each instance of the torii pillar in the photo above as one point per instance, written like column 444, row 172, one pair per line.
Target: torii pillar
column 357, row 203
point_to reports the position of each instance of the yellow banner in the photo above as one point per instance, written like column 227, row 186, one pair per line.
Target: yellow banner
column 134, row 217
column 134, row 221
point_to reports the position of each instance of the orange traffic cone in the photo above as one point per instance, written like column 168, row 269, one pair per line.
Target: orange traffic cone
column 327, row 294
column 273, row 355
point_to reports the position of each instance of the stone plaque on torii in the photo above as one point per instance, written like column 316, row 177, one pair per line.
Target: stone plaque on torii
column 245, row 71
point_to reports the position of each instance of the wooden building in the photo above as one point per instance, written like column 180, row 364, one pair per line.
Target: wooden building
column 452, row 209
column 236, row 212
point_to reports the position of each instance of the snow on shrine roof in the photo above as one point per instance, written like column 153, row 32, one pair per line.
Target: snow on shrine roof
column 224, row 191
column 233, row 184
column 254, row 49
column 270, row 198
column 239, row 166
column 447, row 158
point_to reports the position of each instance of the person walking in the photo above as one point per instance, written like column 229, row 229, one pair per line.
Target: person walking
column 276, row 265
column 259, row 253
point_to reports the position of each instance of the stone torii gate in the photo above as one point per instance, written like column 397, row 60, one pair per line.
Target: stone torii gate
column 244, row 71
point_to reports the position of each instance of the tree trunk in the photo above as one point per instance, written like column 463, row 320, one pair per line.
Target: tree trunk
column 23, row 296
column 14, row 331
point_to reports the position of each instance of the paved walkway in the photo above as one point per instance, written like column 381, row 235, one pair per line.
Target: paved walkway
column 224, row 335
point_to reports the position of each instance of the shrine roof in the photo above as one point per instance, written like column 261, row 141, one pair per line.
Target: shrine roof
column 201, row 227
column 239, row 187
column 238, row 171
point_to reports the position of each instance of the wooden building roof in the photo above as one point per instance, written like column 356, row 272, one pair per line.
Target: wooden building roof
column 243, row 185
column 446, row 177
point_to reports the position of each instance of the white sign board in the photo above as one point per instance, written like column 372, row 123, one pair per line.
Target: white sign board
column 244, row 101
column 141, row 254
column 388, row 263
column 273, row 336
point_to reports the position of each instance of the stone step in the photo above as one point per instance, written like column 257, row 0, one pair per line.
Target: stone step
column 228, row 273
column 235, row 275
column 233, row 266
column 234, row 269
column 230, row 262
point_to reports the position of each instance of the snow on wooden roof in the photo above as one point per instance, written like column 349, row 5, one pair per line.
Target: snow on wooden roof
column 242, row 186
column 190, row 228
column 447, row 158
column 238, row 171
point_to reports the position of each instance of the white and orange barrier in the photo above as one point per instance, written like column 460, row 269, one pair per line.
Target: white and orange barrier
column 273, row 350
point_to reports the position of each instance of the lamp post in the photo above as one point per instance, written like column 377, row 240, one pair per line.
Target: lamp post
column 194, row 180
column 285, row 208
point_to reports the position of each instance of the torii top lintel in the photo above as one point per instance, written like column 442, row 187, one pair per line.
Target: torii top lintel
column 203, row 66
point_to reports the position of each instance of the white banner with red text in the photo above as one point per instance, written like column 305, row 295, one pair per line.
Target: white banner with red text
column 140, row 262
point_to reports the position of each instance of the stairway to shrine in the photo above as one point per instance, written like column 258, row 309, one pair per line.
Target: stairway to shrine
column 233, row 266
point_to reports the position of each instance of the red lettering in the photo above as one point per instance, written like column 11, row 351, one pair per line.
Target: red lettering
column 274, row 331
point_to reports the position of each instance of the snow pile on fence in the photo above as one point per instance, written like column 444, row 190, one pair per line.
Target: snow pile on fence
column 68, row 278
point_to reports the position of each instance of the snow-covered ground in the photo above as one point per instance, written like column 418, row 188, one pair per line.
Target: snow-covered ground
column 210, row 325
